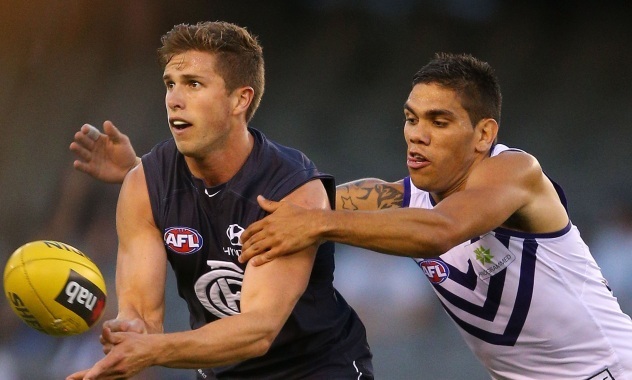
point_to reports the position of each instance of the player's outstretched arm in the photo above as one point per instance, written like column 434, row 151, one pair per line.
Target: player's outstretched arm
column 106, row 156
column 140, row 287
column 500, row 187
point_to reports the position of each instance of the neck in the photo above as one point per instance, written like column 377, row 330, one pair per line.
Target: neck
column 219, row 166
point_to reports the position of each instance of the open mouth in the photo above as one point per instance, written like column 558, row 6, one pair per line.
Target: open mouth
column 179, row 124
column 416, row 160
column 416, row 157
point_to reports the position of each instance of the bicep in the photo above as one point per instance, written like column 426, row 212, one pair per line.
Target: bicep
column 272, row 290
column 498, row 189
column 369, row 194
column 141, row 260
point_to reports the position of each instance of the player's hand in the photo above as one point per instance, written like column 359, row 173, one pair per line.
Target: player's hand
column 130, row 354
column 105, row 156
column 119, row 325
column 288, row 229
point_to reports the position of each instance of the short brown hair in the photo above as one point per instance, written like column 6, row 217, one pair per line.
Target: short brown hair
column 240, row 57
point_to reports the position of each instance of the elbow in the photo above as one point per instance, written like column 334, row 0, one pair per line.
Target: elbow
column 267, row 324
column 267, row 331
column 435, row 243
column 262, row 345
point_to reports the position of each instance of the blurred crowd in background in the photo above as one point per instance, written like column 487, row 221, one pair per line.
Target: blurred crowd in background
column 338, row 73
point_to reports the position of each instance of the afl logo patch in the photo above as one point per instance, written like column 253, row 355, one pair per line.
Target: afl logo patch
column 183, row 240
column 436, row 270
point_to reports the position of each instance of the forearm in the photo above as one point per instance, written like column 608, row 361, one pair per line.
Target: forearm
column 401, row 232
column 219, row 343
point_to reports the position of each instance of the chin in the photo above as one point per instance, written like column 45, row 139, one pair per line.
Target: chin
column 420, row 182
column 186, row 149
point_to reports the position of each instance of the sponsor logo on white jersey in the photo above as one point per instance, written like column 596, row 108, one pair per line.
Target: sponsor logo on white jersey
column 491, row 263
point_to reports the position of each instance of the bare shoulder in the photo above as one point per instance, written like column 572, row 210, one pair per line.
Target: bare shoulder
column 516, row 158
column 511, row 166
column 312, row 194
column 136, row 176
column 369, row 194
column 518, row 177
column 134, row 196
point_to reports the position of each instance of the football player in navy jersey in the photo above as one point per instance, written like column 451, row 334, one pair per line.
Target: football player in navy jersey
column 186, row 203
column 484, row 223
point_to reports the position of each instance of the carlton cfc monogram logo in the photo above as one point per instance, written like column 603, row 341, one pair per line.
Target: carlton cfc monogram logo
column 183, row 240
column 219, row 290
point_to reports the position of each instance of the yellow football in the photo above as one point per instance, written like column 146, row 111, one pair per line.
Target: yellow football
column 54, row 288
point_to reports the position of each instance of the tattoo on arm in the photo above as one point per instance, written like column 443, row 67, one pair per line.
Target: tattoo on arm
column 375, row 196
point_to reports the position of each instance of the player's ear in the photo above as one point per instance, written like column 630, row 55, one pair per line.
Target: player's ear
column 486, row 133
column 241, row 99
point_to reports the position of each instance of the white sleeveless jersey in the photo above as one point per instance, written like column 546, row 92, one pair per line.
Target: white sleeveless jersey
column 531, row 306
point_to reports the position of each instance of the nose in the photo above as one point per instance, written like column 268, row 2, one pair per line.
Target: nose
column 417, row 134
column 174, row 98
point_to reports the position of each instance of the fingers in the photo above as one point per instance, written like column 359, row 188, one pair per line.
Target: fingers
column 105, row 340
column 81, row 151
column 77, row 375
column 83, row 166
column 109, row 337
column 267, row 205
column 260, row 260
column 246, row 255
column 246, row 238
column 113, row 133
column 249, row 239
column 115, row 325
column 257, row 252
column 97, row 369
column 125, row 325
column 92, row 132
column 83, row 139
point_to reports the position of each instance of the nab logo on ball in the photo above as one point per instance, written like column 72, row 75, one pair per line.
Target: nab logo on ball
column 82, row 297
column 436, row 270
column 183, row 240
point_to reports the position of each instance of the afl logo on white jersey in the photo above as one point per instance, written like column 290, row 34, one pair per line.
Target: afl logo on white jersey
column 183, row 240
column 436, row 270
column 219, row 290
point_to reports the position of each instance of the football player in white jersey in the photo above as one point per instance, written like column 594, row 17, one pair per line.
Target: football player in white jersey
column 488, row 228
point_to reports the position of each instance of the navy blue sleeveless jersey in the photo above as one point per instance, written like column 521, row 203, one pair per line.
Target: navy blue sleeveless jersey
column 323, row 337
